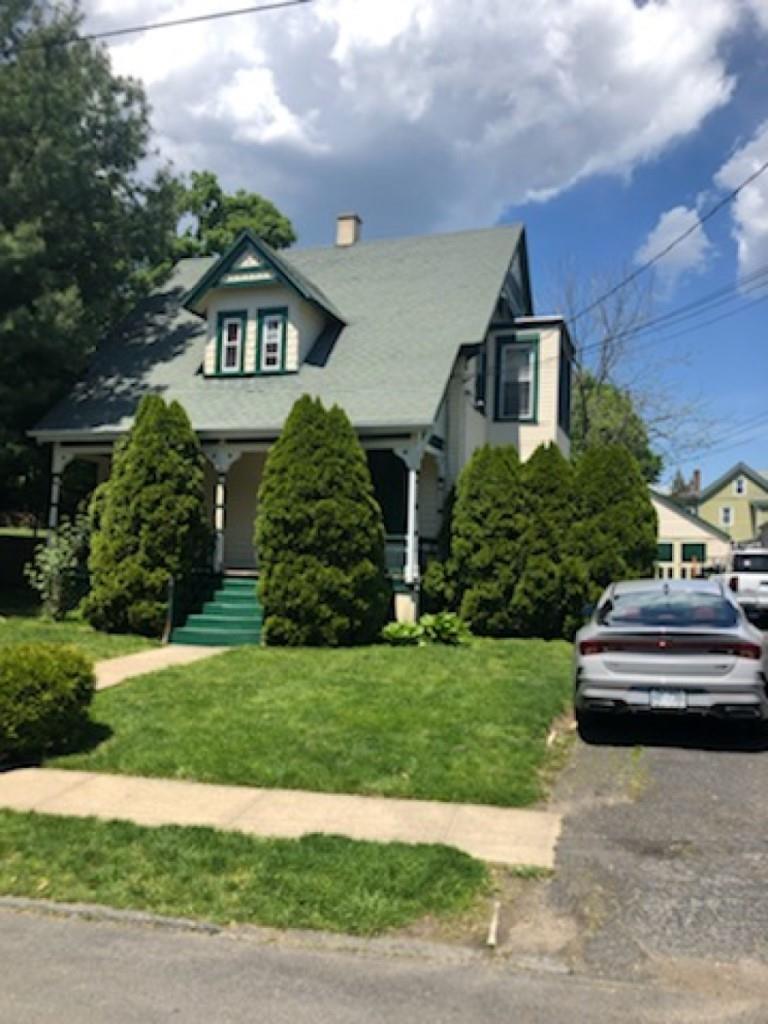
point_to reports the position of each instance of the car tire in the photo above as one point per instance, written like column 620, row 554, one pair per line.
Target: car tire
column 592, row 725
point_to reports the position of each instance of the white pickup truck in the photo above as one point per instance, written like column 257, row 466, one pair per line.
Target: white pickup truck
column 747, row 576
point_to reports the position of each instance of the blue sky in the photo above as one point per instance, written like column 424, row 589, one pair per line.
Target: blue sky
column 605, row 125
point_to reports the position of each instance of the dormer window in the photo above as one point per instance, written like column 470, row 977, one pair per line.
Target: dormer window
column 272, row 340
column 231, row 342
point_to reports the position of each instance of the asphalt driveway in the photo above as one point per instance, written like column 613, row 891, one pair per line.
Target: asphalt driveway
column 663, row 863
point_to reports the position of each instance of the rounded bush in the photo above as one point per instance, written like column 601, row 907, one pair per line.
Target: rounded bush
column 45, row 690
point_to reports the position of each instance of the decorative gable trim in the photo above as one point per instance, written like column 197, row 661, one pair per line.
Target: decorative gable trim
column 251, row 262
column 740, row 469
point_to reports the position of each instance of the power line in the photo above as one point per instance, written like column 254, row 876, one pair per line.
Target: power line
column 673, row 244
column 152, row 26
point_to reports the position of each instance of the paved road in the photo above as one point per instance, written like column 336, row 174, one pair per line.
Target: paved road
column 663, row 863
column 86, row 972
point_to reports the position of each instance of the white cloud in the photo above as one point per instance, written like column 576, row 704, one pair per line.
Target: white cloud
column 690, row 255
column 425, row 114
column 750, row 208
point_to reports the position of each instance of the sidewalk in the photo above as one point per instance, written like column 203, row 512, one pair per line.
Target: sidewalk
column 112, row 671
column 500, row 835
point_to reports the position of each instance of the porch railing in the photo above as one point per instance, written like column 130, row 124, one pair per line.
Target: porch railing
column 187, row 596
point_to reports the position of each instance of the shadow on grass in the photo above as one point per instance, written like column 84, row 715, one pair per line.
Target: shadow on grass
column 688, row 732
column 82, row 740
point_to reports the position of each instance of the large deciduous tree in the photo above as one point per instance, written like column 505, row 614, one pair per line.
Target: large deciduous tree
column 319, row 535
column 150, row 521
column 79, row 229
column 215, row 218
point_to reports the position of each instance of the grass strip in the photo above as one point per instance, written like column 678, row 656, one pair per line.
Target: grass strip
column 465, row 725
column 318, row 881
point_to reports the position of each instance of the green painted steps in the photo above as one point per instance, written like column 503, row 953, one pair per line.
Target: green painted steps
column 231, row 619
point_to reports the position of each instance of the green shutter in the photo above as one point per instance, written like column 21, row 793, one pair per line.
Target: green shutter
column 694, row 551
column 664, row 553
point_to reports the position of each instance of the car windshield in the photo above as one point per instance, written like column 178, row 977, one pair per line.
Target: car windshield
column 750, row 563
column 675, row 608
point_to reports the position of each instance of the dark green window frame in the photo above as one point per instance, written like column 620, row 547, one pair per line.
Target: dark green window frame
column 223, row 317
column 665, row 552
column 265, row 314
column 503, row 342
column 697, row 551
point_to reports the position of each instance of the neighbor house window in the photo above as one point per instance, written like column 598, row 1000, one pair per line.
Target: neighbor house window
column 272, row 340
column 664, row 552
column 739, row 485
column 726, row 515
column 695, row 553
column 516, row 377
column 231, row 342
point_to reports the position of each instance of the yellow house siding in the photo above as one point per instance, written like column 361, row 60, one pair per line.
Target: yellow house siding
column 743, row 526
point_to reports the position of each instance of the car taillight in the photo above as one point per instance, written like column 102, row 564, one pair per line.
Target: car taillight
column 591, row 647
column 733, row 583
column 746, row 650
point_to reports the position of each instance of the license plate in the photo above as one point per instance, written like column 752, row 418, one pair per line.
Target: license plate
column 669, row 700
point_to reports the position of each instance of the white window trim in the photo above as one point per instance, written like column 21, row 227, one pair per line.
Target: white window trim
column 225, row 322
column 740, row 480
column 726, row 515
column 505, row 344
column 264, row 318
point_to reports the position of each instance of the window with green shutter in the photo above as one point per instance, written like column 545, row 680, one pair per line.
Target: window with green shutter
column 664, row 553
column 694, row 552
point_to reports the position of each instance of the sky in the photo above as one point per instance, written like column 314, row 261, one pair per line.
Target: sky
column 607, row 127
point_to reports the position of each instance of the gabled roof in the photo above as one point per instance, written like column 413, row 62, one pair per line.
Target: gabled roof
column 673, row 506
column 740, row 469
column 398, row 312
column 283, row 270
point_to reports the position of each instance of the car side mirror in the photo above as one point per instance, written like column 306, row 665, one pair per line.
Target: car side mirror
column 588, row 611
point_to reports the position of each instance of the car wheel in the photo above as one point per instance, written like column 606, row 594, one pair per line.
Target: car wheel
column 592, row 725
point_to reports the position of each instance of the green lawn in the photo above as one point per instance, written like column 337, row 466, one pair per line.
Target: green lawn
column 314, row 882
column 459, row 724
column 21, row 623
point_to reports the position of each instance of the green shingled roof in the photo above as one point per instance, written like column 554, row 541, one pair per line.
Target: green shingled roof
column 407, row 306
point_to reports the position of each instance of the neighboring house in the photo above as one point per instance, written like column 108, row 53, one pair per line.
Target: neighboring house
column 429, row 343
column 686, row 544
column 737, row 502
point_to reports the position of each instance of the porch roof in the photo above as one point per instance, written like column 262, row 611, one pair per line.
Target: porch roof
column 408, row 305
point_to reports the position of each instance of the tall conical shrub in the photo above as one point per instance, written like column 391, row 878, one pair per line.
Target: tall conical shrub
column 553, row 582
column 319, row 534
column 150, row 521
column 617, row 532
column 486, row 554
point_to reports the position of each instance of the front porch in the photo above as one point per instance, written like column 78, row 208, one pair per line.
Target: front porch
column 409, row 480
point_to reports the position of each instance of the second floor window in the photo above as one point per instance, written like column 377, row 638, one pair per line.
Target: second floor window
column 516, row 371
column 231, row 342
column 272, row 342
column 726, row 515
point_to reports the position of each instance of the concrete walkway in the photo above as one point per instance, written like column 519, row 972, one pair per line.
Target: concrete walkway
column 497, row 834
column 112, row 671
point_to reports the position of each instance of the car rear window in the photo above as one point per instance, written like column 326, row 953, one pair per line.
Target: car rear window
column 750, row 563
column 656, row 608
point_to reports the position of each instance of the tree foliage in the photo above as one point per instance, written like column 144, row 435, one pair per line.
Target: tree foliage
column 217, row 218
column 603, row 414
column 617, row 530
column 150, row 521
column 319, row 534
column 80, row 230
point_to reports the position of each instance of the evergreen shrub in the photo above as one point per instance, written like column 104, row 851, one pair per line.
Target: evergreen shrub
column 45, row 690
column 57, row 568
column 319, row 535
column 149, row 520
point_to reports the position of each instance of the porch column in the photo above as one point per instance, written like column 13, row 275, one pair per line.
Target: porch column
column 222, row 458
column 407, row 603
column 60, row 459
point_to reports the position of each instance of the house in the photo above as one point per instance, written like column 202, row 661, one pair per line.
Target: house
column 737, row 502
column 430, row 344
column 686, row 543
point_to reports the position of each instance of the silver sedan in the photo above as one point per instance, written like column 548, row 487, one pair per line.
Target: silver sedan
column 669, row 646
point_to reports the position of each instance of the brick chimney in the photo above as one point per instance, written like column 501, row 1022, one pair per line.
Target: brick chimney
column 348, row 229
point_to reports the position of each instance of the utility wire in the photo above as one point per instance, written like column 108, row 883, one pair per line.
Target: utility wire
column 673, row 244
column 152, row 26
